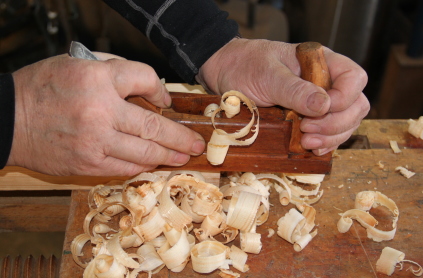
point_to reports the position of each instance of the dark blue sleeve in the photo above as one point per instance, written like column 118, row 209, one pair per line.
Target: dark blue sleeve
column 187, row 32
column 7, row 116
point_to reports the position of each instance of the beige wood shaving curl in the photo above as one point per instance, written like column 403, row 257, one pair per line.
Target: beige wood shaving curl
column 220, row 140
column 159, row 218
column 296, row 228
column 365, row 200
column 390, row 258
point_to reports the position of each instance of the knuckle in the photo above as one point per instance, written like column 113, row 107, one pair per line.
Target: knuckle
column 149, row 72
column 152, row 127
column 91, row 73
column 362, row 76
column 364, row 105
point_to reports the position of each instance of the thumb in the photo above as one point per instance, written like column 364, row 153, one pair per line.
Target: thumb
column 132, row 78
column 304, row 97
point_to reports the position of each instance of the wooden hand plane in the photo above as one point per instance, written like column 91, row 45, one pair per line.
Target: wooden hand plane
column 277, row 147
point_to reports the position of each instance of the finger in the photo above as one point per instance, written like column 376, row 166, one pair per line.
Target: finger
column 348, row 78
column 313, row 141
column 338, row 122
column 112, row 166
column 143, row 152
column 152, row 126
column 320, row 152
column 133, row 78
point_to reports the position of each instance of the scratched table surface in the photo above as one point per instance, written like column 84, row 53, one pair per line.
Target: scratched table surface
column 330, row 253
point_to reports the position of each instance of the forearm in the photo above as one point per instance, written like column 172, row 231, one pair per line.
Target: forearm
column 7, row 116
column 187, row 32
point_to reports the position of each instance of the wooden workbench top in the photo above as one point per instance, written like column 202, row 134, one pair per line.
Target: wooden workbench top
column 330, row 253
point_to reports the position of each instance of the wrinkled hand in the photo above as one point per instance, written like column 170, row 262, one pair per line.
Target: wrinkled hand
column 71, row 119
column 268, row 72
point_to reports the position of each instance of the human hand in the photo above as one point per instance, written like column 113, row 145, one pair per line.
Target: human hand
column 268, row 72
column 71, row 119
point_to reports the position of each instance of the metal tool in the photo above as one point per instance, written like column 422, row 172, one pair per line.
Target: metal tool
column 78, row 50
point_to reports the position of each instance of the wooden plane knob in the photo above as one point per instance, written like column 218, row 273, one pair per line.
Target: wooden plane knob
column 313, row 64
column 314, row 69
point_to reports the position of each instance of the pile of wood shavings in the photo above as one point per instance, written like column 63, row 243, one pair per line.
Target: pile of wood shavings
column 157, row 216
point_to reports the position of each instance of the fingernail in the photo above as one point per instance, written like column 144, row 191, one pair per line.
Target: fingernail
column 316, row 101
column 311, row 128
column 320, row 152
column 181, row 159
column 198, row 147
column 167, row 100
column 313, row 143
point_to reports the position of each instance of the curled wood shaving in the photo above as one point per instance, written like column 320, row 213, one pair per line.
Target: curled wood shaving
column 365, row 200
column 208, row 112
column 176, row 256
column 299, row 189
column 390, row 258
column 242, row 210
column 296, row 228
column 220, row 140
column 208, row 256
column 251, row 242
column 156, row 216
column 104, row 266
column 239, row 259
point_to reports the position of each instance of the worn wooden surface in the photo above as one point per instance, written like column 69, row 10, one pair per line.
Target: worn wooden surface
column 330, row 253
column 34, row 214
column 275, row 130
column 379, row 132
column 17, row 178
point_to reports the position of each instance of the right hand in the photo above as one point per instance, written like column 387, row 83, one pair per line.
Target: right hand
column 71, row 119
column 268, row 72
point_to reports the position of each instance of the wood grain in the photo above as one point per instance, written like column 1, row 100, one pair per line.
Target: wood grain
column 379, row 132
column 34, row 214
column 330, row 253
column 17, row 178
column 314, row 69
column 271, row 151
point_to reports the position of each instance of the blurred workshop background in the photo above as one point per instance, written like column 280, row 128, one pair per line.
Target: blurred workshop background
column 383, row 36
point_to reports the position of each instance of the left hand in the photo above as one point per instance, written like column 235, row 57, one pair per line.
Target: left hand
column 268, row 73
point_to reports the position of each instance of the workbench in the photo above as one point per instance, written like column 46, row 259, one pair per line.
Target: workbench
column 329, row 254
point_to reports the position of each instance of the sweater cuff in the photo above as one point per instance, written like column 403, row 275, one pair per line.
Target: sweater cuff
column 7, row 116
